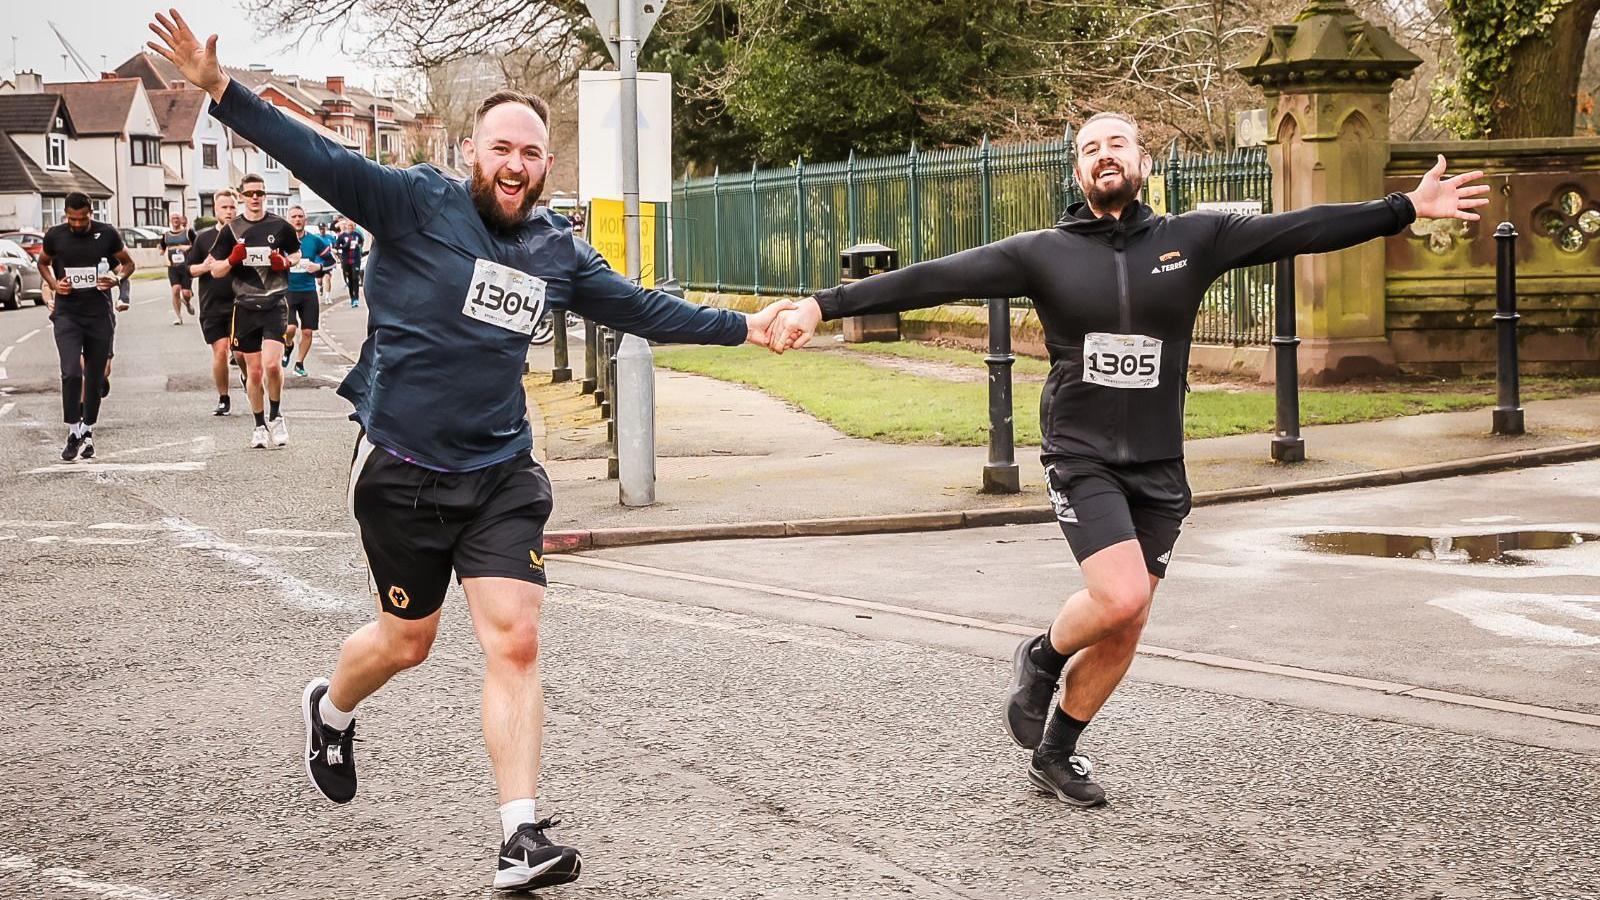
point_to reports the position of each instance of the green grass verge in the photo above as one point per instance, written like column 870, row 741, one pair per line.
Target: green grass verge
column 866, row 401
column 955, row 356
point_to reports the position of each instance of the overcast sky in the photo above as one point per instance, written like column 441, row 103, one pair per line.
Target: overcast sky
column 116, row 29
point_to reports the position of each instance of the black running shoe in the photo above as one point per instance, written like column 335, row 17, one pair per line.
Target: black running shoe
column 224, row 407
column 1067, row 777
column 74, row 444
column 87, row 450
column 1028, row 703
column 330, row 759
column 529, row 860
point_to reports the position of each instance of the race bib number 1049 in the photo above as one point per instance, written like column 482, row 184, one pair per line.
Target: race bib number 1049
column 1121, row 360
column 505, row 297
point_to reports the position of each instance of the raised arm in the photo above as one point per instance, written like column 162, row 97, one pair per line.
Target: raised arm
column 1253, row 240
column 379, row 197
column 993, row 270
column 602, row 295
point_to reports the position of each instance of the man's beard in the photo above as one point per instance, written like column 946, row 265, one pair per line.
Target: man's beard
column 1126, row 191
column 486, row 198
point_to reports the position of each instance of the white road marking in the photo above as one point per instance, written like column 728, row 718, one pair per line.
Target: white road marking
column 30, row 334
column 6, row 353
column 759, row 629
column 89, row 541
column 206, row 440
column 2, row 373
column 121, row 526
column 295, row 532
column 1506, row 614
column 80, row 468
column 79, row 880
column 7, row 537
column 251, row 548
column 23, row 523
column 293, row 589
column 5, row 410
column 1490, row 520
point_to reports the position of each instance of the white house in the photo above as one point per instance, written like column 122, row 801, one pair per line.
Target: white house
column 37, row 168
column 248, row 159
column 119, row 143
column 194, row 148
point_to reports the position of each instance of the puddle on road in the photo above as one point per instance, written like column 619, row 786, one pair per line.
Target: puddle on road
column 1501, row 548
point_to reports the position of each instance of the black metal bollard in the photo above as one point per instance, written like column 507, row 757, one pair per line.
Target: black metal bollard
column 590, row 351
column 608, row 409
column 1000, row 473
column 562, row 370
column 1507, row 415
column 1287, row 446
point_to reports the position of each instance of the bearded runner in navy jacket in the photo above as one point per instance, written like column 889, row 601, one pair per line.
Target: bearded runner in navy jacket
column 443, row 475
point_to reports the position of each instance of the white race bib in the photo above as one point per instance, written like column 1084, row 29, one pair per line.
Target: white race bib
column 81, row 277
column 503, row 296
column 175, row 256
column 258, row 256
column 1121, row 360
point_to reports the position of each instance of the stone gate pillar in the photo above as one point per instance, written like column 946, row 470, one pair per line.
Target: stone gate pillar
column 1328, row 77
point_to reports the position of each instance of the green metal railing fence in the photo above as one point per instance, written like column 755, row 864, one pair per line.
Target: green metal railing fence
column 779, row 231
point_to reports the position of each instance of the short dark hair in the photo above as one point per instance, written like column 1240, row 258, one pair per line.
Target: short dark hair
column 1120, row 117
column 78, row 200
column 498, row 98
column 295, row 207
column 250, row 177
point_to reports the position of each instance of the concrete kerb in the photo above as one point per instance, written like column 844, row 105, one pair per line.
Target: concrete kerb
column 601, row 538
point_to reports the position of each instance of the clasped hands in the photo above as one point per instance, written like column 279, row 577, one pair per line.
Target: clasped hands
column 784, row 324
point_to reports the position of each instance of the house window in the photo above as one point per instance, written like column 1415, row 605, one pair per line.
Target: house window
column 146, row 151
column 208, row 155
column 149, row 211
column 272, row 164
column 208, row 205
column 277, row 204
column 97, row 209
column 56, row 152
column 52, row 210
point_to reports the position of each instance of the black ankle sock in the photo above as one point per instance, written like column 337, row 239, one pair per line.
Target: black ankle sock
column 223, row 399
column 1061, row 734
column 1046, row 657
column 273, row 407
column 261, row 420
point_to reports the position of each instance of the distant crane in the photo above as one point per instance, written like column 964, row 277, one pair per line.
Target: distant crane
column 77, row 58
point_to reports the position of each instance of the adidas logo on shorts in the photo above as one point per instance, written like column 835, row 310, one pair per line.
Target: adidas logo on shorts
column 1165, row 558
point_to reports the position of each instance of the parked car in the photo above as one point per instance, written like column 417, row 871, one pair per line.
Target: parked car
column 139, row 236
column 19, row 276
column 27, row 238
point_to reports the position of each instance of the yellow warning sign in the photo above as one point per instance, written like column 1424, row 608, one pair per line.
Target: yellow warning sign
column 607, row 235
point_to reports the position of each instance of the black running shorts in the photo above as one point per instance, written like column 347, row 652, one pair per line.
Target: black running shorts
column 303, row 306
column 416, row 525
column 179, row 275
column 215, row 328
column 1098, row 505
column 252, row 326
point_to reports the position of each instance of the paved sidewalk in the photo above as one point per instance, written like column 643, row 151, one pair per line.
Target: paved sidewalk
column 729, row 454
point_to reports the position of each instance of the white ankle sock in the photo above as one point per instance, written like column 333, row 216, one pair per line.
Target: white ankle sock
column 514, row 815
column 332, row 716
column 79, row 430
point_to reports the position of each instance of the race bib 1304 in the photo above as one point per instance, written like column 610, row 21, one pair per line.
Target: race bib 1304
column 1121, row 360
column 504, row 297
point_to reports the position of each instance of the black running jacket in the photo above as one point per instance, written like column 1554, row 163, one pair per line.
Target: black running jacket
column 1118, row 298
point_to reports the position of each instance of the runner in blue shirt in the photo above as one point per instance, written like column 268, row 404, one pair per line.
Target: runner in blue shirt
column 464, row 271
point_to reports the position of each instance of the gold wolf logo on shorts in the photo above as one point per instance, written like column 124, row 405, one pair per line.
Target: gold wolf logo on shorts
column 538, row 561
column 398, row 598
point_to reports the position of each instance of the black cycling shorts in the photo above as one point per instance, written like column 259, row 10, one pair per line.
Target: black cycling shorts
column 1098, row 505
column 252, row 326
column 303, row 306
column 179, row 275
column 416, row 525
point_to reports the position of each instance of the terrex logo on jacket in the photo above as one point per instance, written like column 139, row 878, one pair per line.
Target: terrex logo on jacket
column 1118, row 299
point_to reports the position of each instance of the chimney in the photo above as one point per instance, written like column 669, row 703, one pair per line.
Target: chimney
column 109, row 76
column 336, row 84
column 29, row 82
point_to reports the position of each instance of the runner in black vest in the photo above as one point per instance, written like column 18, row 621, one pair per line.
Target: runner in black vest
column 1116, row 288
column 175, row 243
column 216, row 296
column 80, row 262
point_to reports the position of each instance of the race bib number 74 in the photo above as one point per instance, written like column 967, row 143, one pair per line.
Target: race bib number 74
column 1121, row 360
column 505, row 297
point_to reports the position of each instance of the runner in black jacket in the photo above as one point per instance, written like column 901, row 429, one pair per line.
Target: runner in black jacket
column 1117, row 289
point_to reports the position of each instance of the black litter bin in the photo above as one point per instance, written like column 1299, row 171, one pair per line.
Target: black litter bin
column 856, row 263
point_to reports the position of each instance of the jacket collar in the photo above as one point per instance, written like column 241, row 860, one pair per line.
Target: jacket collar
column 1136, row 219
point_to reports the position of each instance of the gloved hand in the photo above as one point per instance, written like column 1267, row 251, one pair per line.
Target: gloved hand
column 237, row 256
column 278, row 261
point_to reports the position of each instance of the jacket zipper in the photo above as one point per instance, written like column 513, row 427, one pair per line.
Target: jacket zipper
column 1126, row 312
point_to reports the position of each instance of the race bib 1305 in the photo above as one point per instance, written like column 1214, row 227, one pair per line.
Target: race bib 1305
column 504, row 297
column 1121, row 360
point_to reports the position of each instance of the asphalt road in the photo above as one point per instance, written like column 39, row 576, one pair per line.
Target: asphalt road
column 809, row 718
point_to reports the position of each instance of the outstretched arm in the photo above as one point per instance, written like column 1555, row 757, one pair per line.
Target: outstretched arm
column 602, row 295
column 1253, row 240
column 379, row 197
column 993, row 270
